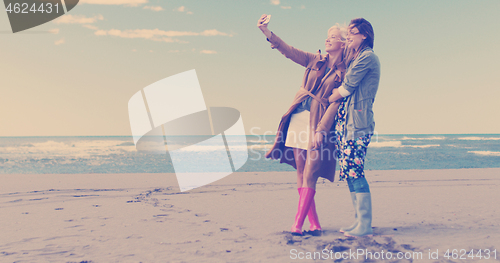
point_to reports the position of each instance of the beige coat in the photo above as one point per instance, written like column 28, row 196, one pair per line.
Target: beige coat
column 322, row 116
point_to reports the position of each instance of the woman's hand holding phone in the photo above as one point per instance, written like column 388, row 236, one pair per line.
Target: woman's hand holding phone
column 262, row 24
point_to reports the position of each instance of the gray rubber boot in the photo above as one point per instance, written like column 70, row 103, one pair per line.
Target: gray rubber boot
column 364, row 210
column 349, row 228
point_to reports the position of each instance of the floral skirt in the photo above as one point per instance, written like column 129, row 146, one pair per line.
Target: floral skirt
column 350, row 153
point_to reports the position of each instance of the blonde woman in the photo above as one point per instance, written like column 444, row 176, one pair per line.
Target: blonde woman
column 305, row 138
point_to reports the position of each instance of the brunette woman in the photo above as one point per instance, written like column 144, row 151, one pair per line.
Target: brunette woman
column 354, row 122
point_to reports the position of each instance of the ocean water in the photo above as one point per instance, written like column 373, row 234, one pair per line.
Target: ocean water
column 117, row 154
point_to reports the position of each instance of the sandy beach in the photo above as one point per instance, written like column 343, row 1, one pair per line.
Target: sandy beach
column 244, row 218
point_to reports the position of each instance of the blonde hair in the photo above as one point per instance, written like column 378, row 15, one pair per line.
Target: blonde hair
column 342, row 30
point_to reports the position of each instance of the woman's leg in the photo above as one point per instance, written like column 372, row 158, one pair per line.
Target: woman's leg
column 312, row 162
column 344, row 171
column 358, row 183
column 306, row 198
column 300, row 161
column 306, row 203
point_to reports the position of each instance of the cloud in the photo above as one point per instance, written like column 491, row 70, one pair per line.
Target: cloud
column 114, row 2
column 154, row 8
column 100, row 33
column 144, row 33
column 157, row 34
column 208, row 51
column 286, row 7
column 275, row 2
column 214, row 32
column 78, row 19
column 91, row 27
column 54, row 31
column 59, row 42
column 180, row 9
column 183, row 9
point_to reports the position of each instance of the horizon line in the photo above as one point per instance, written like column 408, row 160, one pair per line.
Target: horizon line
column 386, row 134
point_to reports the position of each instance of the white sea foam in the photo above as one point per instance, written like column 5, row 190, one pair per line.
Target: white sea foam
column 80, row 148
column 212, row 148
column 423, row 146
column 460, row 146
column 258, row 141
column 422, row 139
column 395, row 144
column 398, row 144
column 486, row 153
column 479, row 138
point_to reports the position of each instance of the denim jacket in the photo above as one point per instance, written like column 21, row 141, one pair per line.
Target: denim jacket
column 361, row 80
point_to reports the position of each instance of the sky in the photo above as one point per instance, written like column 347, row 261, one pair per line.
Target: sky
column 73, row 76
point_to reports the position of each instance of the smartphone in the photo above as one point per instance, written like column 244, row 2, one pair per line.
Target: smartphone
column 267, row 20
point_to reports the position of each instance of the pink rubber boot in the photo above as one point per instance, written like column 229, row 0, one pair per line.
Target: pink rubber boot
column 306, row 197
column 312, row 215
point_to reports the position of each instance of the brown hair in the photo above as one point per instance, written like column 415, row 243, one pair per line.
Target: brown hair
column 366, row 29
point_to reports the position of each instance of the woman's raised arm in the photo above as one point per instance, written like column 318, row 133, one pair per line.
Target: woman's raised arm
column 263, row 27
column 298, row 56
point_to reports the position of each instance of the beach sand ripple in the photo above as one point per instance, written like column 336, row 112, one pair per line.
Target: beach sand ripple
column 241, row 218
